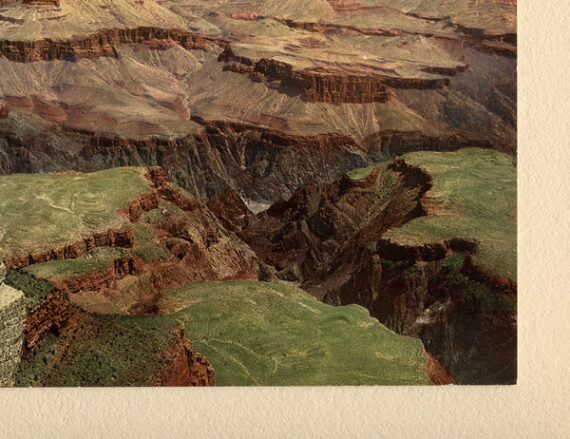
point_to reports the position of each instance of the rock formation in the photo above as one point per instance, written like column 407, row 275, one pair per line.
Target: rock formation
column 12, row 325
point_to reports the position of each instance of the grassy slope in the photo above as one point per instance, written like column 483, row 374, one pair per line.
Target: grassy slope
column 100, row 259
column 40, row 212
column 252, row 333
column 256, row 333
column 475, row 194
column 97, row 260
column 106, row 351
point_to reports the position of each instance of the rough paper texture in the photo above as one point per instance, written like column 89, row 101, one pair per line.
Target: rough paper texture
column 535, row 407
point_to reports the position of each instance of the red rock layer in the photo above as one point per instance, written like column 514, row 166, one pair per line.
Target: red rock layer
column 436, row 372
column 4, row 111
column 51, row 315
column 41, row 2
column 319, row 86
column 230, row 209
column 102, row 44
column 245, row 16
column 279, row 138
column 185, row 367
column 179, row 199
column 143, row 203
column 157, row 177
column 497, row 284
column 102, row 281
column 349, row 6
column 110, row 238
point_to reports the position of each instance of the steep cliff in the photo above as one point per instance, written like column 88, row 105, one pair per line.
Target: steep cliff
column 185, row 367
column 117, row 351
column 322, row 86
column 428, row 253
column 12, row 324
column 263, row 105
column 102, row 44
column 170, row 239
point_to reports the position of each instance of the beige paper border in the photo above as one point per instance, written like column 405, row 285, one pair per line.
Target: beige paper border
column 536, row 408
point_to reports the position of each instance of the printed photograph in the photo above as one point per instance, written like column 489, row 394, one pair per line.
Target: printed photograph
column 258, row 193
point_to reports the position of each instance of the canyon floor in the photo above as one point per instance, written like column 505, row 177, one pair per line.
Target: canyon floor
column 257, row 193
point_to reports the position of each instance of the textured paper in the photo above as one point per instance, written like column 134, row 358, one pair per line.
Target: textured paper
column 537, row 407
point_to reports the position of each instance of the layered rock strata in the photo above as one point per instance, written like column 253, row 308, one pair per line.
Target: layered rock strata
column 185, row 366
column 12, row 326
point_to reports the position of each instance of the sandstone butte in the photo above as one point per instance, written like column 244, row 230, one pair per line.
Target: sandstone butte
column 352, row 148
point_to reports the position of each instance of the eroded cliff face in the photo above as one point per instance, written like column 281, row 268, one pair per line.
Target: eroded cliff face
column 322, row 86
column 102, row 44
column 101, row 282
column 50, row 315
column 330, row 238
column 171, row 239
column 233, row 110
column 110, row 238
column 231, row 210
column 12, row 324
column 185, row 367
column 426, row 292
column 344, row 89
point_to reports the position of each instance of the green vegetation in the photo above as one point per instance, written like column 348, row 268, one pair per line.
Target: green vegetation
column 152, row 216
column 454, row 262
column 151, row 254
column 34, row 367
column 371, row 246
column 106, row 351
column 473, row 197
column 41, row 212
column 483, row 298
column 387, row 263
column 97, row 260
column 252, row 333
column 412, row 271
column 144, row 235
column 256, row 333
column 361, row 173
column 36, row 290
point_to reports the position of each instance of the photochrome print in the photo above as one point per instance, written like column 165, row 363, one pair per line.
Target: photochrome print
column 258, row 192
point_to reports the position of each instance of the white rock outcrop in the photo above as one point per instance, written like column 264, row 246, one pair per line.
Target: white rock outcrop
column 12, row 325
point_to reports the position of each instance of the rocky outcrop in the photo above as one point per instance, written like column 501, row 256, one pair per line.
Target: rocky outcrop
column 261, row 164
column 50, row 315
column 436, row 372
column 466, row 325
column 321, row 86
column 185, row 366
column 101, row 282
column 330, row 238
column 103, row 44
column 230, row 209
column 110, row 238
column 302, row 236
column 41, row 2
column 143, row 203
column 12, row 325
column 4, row 111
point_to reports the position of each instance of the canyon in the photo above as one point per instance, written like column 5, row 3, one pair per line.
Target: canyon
column 177, row 171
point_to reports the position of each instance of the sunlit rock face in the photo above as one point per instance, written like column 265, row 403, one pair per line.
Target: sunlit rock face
column 260, row 96
column 12, row 324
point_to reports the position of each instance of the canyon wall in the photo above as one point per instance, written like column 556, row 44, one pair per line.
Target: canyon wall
column 12, row 325
column 185, row 367
column 101, row 44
